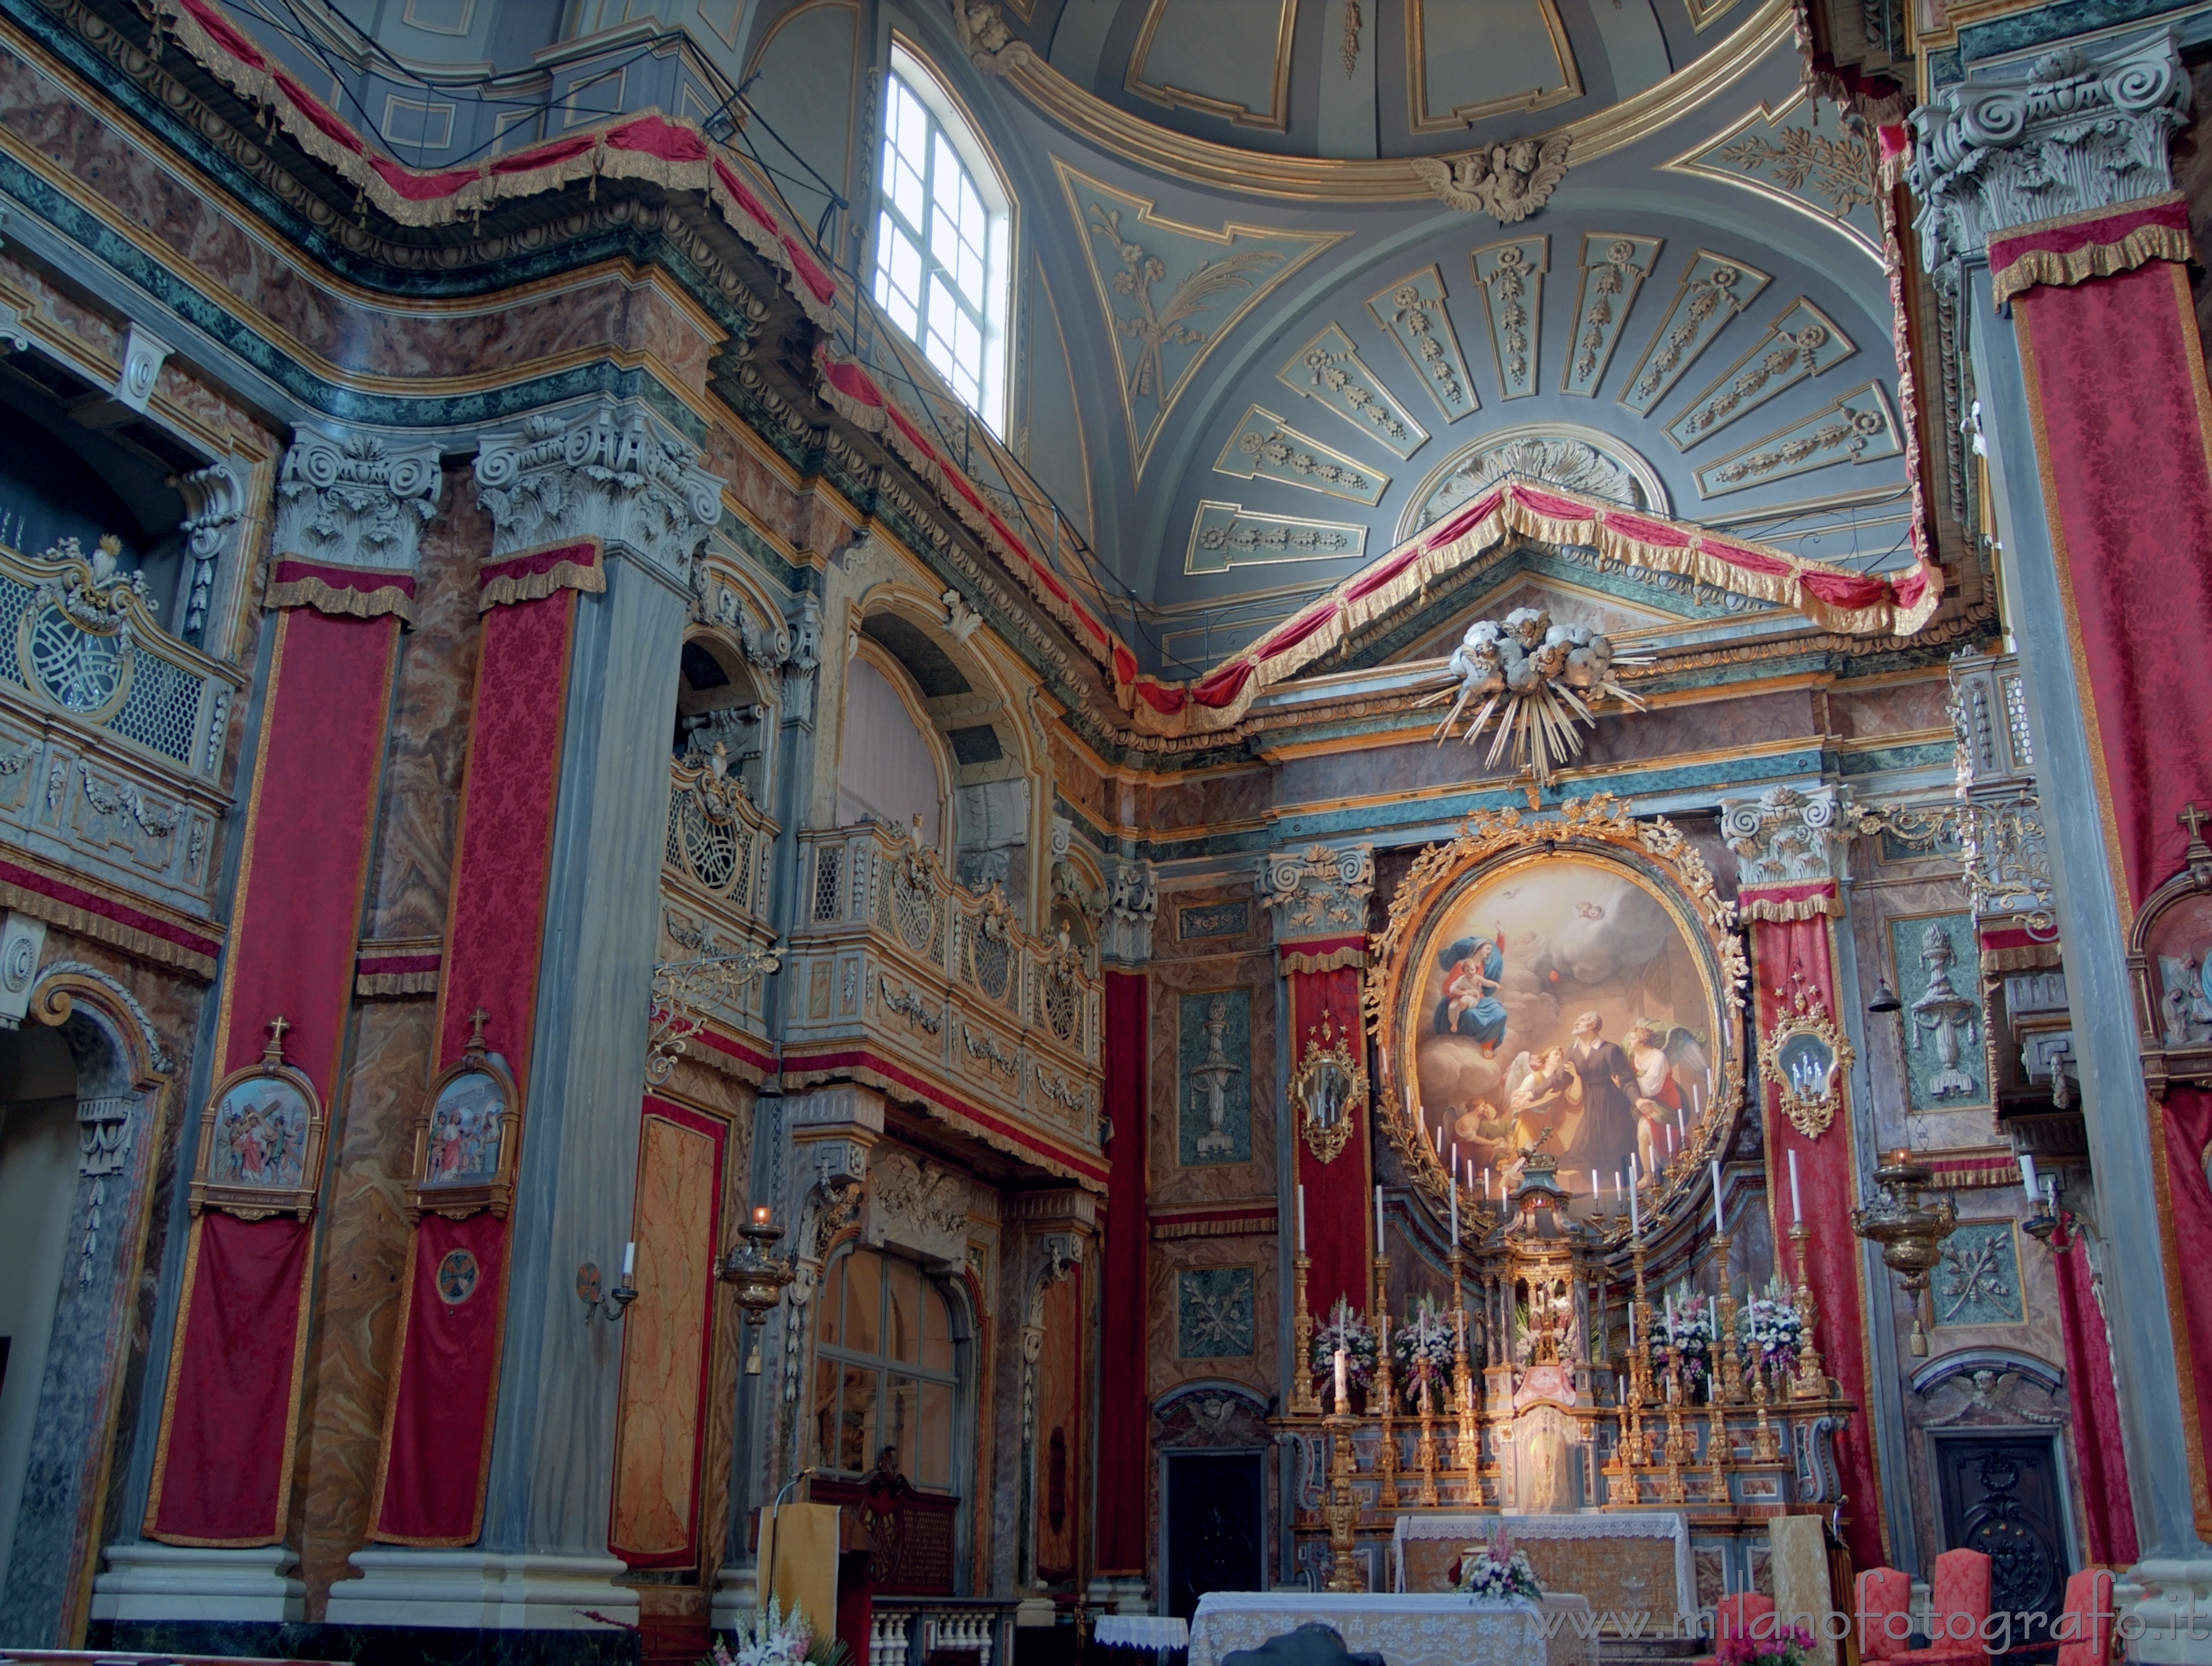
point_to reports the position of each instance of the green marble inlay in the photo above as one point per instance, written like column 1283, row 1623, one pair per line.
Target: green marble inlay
column 1978, row 1281
column 1215, row 1050
column 1213, row 1313
column 1934, row 962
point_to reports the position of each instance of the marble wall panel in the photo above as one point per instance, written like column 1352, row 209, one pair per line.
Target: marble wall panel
column 1181, row 987
column 1880, row 909
column 1214, row 1036
column 1058, row 1489
column 1894, row 708
column 1211, row 802
column 1210, row 923
column 363, row 1259
column 1198, row 1281
column 427, row 754
column 1933, row 966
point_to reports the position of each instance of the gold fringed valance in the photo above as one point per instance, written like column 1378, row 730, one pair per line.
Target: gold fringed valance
column 144, row 945
column 586, row 575
column 385, row 985
column 1781, row 910
column 1329, row 961
column 308, row 591
column 2063, row 268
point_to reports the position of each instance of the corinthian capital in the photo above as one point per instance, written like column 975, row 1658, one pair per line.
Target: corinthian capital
column 1783, row 836
column 1132, row 902
column 353, row 501
column 1319, row 892
column 616, row 474
column 2068, row 133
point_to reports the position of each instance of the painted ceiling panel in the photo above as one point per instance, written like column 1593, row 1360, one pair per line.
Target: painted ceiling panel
column 1468, row 62
column 1226, row 57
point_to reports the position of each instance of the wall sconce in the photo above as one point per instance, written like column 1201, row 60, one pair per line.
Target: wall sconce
column 760, row 1277
column 617, row 1300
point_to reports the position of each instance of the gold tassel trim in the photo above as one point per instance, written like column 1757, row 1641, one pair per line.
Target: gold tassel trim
column 1802, row 908
column 376, row 985
column 335, row 600
column 143, row 945
column 536, row 586
column 1350, row 955
column 2025, row 958
column 2063, row 269
column 1165, row 1229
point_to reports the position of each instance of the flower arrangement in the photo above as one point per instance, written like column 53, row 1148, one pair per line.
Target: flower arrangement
column 1496, row 1573
column 1792, row 1647
column 777, row 1637
column 1770, row 1329
column 1347, row 1330
column 1426, row 1347
column 1687, row 1325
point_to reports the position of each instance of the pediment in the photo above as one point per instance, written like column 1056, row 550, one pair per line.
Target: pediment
column 1567, row 603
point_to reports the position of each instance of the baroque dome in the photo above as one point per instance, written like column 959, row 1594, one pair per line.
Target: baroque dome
column 1337, row 84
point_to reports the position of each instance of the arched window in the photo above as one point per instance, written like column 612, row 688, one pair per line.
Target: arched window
column 942, row 265
column 887, row 768
column 883, row 1372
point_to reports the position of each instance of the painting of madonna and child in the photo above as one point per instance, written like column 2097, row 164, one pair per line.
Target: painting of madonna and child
column 1561, row 1001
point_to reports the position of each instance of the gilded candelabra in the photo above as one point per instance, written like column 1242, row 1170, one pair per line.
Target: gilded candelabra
column 1910, row 1234
column 1386, row 1455
column 1765, row 1445
column 1812, row 1382
column 1342, row 1510
column 1303, row 1401
column 1727, row 1375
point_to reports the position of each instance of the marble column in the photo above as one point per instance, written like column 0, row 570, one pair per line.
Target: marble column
column 615, row 475
column 2018, row 154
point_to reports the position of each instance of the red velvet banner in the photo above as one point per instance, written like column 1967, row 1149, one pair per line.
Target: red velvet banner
column 2114, row 374
column 291, row 953
column 437, row 1427
column 2101, row 1463
column 1124, row 1407
column 1340, row 1195
column 223, row 1474
column 1828, row 1185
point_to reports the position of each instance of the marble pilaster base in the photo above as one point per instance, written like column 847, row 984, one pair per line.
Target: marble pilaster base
column 149, row 1581
column 737, row 1591
column 2165, row 1611
column 474, row 1591
column 1120, row 1593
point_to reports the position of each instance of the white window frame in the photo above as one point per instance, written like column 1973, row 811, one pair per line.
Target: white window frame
column 951, row 118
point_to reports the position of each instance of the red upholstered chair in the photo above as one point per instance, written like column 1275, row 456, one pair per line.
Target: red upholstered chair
column 2085, row 1630
column 1739, row 1616
column 1961, row 1609
column 1884, row 1591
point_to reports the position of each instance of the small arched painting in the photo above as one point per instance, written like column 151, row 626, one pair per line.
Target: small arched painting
column 466, row 1125
column 1561, row 1001
column 261, row 1135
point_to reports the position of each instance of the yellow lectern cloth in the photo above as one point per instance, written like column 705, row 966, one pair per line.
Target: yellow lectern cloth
column 799, row 1549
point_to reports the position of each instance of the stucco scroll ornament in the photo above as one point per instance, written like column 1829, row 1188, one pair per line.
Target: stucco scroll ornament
column 1509, row 181
column 1805, row 1057
column 1537, row 680
column 1783, row 837
column 686, row 993
column 1318, row 890
column 991, row 43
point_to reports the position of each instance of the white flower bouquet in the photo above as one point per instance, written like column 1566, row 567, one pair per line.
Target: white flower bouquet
column 1496, row 1573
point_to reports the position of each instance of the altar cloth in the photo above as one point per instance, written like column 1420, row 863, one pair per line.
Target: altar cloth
column 1441, row 1629
column 1647, row 1570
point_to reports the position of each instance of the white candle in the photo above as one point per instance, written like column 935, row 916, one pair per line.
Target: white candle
column 1670, row 1142
column 1632, row 1321
column 1796, row 1202
column 1302, row 1218
column 629, row 1258
column 1440, row 1138
column 1378, row 1220
column 1680, row 1123
column 1616, row 1189
column 1455, row 1211
column 1696, row 1101
column 2026, row 1175
column 1486, row 1183
column 1635, row 1215
column 1343, row 1383
column 1720, row 1227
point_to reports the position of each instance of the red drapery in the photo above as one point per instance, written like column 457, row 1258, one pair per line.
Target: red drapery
column 1340, row 1194
column 438, row 1425
column 1124, row 1410
column 1828, row 1184
column 2101, row 1463
column 235, row 1371
column 2117, row 394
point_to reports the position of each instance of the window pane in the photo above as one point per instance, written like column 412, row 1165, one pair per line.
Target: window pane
column 825, row 1304
column 899, row 1417
column 864, row 1276
column 936, row 1333
column 903, row 1342
column 827, row 1380
column 856, row 1427
column 931, row 1464
column 903, row 181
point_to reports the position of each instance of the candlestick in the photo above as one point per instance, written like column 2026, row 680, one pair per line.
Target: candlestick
column 1440, row 1137
column 1720, row 1227
column 1680, row 1123
column 1796, row 1202
column 1302, row 1219
column 2027, row 1175
column 1301, row 1331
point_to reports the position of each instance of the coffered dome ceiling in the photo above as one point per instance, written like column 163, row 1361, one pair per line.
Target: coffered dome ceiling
column 1350, row 80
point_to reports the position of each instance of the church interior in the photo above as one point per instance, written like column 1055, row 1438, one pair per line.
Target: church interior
column 1051, row 832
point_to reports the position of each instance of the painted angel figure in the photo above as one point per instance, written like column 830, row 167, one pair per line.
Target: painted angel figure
column 1668, row 1064
column 1545, row 1097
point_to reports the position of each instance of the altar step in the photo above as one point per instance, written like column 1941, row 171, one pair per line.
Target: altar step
column 1649, row 1651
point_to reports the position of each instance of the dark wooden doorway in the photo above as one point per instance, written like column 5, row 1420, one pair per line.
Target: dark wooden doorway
column 1214, row 1506
column 2001, row 1495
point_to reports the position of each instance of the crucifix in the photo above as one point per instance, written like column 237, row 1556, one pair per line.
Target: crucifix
column 476, row 1020
column 2194, row 819
column 273, row 1052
